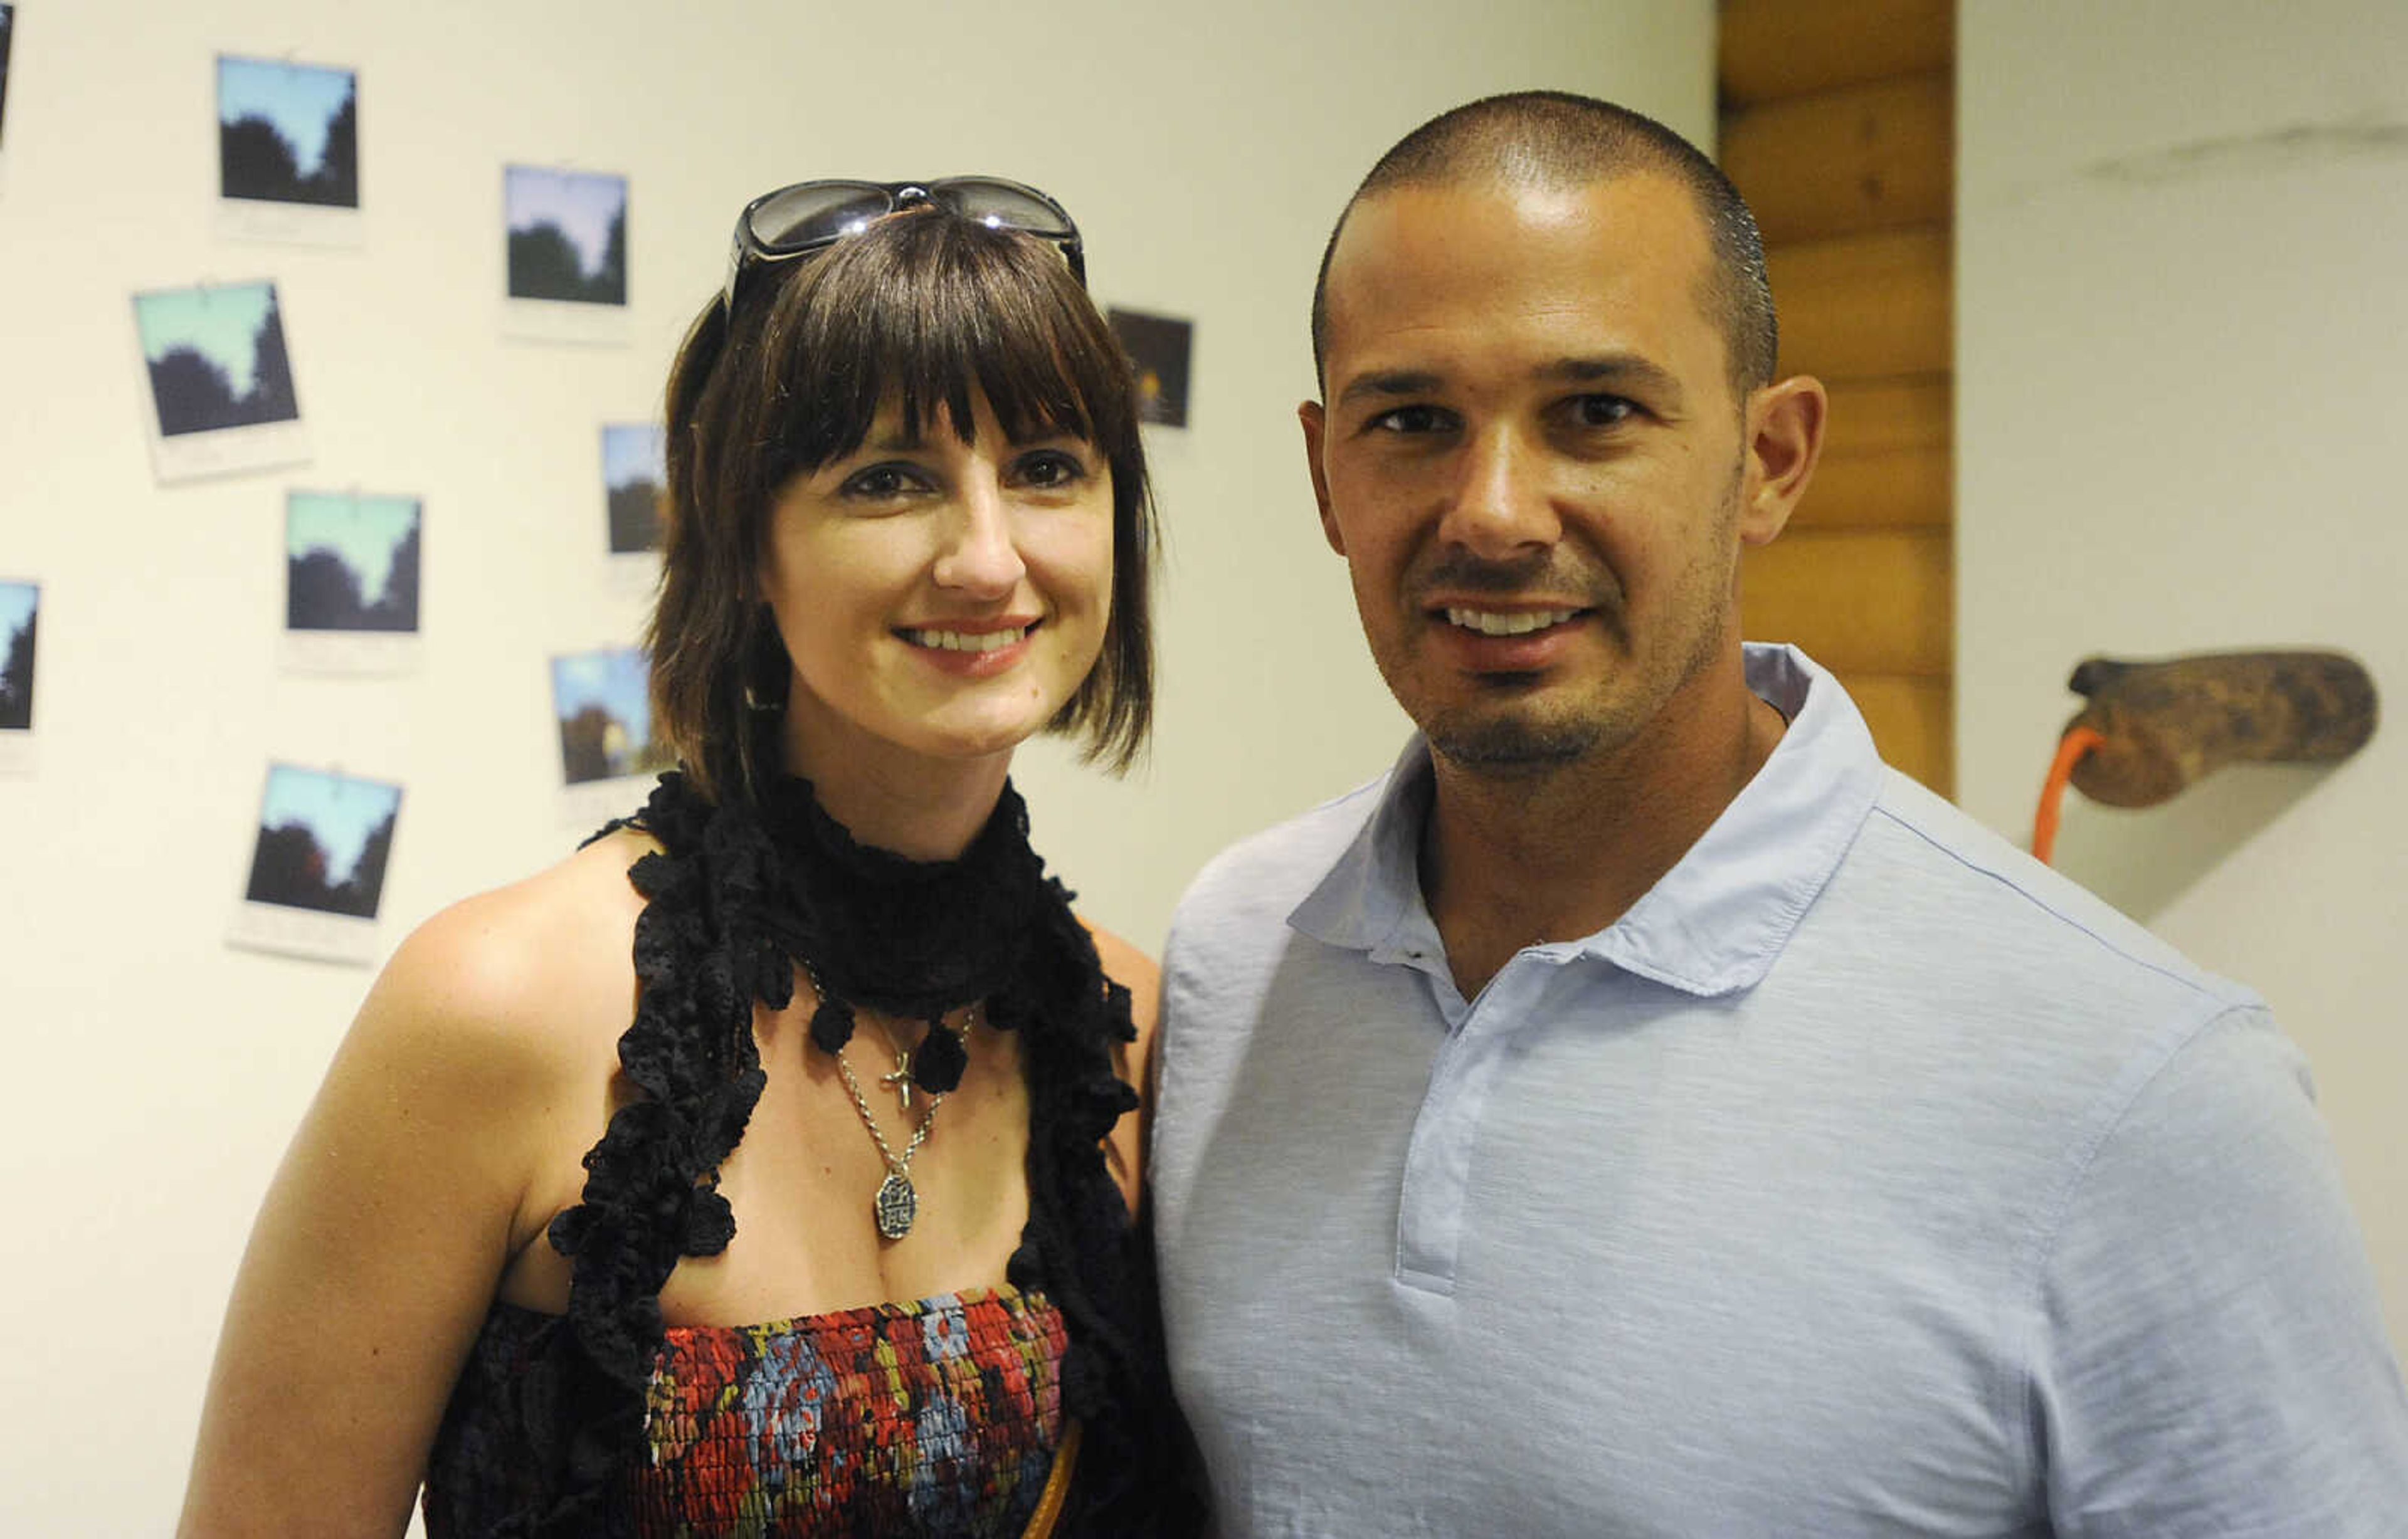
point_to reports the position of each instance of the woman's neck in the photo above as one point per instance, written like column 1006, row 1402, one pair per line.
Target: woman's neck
column 891, row 798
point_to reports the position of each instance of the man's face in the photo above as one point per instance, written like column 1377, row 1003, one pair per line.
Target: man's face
column 1532, row 460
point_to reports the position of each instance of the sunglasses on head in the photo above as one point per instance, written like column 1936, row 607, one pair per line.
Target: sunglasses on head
column 809, row 216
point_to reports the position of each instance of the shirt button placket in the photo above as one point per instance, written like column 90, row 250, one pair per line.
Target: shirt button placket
column 1438, row 1161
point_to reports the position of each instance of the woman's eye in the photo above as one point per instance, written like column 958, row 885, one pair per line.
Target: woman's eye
column 1052, row 468
column 882, row 482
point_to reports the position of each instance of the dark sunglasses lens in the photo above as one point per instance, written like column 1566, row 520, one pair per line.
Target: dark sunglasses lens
column 1004, row 204
column 816, row 213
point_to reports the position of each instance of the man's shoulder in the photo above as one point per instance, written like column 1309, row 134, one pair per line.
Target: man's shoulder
column 1263, row 876
column 2008, row 910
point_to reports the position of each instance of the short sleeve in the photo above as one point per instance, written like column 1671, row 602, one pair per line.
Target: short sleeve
column 2212, row 1357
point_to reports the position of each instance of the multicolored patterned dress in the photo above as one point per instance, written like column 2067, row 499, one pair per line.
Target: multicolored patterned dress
column 935, row 1417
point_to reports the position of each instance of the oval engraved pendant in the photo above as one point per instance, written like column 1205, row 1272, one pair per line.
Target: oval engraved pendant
column 897, row 1205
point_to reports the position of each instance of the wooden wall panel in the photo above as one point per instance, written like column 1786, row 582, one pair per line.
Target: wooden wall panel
column 1872, row 157
column 1792, row 48
column 1912, row 722
column 1878, row 603
column 1884, row 416
column 1905, row 488
column 1865, row 307
column 1839, row 128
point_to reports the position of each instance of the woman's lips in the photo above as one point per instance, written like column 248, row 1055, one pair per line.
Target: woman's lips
column 971, row 648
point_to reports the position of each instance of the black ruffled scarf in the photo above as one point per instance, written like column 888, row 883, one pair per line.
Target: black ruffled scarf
column 909, row 938
column 738, row 897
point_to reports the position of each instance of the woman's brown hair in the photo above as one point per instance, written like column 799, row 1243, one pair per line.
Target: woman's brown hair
column 930, row 310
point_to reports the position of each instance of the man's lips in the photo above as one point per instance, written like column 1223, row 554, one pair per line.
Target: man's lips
column 1520, row 620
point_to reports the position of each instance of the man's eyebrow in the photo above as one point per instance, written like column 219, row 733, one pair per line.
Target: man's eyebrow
column 1617, row 368
column 1385, row 384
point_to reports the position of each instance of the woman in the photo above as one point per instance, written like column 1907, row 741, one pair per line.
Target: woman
column 850, row 1245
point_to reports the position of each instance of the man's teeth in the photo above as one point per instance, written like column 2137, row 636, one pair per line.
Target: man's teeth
column 1489, row 622
column 966, row 641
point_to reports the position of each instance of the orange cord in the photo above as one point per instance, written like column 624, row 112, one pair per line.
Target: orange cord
column 2070, row 750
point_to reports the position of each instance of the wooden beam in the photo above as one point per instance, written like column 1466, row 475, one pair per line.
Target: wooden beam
column 1870, row 157
column 1773, row 49
column 1865, row 307
column 1877, row 602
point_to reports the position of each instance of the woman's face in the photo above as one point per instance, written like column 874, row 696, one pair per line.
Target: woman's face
column 941, row 598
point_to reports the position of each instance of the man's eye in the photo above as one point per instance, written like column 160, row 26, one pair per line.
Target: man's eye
column 1412, row 420
column 882, row 482
column 1599, row 411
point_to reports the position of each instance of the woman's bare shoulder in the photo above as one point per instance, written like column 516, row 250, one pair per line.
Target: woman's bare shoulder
column 524, row 966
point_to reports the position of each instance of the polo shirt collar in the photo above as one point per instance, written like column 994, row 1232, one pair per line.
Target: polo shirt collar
column 1713, row 924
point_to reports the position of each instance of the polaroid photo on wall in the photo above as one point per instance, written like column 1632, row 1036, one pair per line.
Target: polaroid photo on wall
column 565, row 255
column 287, row 151
column 7, row 36
column 602, row 705
column 20, row 607
column 222, row 396
column 634, row 477
column 351, row 571
column 1158, row 346
column 318, row 866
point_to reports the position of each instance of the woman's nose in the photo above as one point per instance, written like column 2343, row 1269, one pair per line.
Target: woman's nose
column 979, row 557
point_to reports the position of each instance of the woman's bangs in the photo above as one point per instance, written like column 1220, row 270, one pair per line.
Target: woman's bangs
column 930, row 320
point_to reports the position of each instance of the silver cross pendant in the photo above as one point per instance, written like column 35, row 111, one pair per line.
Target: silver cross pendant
column 901, row 1080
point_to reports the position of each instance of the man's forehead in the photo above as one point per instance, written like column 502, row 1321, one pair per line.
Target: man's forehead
column 1598, row 267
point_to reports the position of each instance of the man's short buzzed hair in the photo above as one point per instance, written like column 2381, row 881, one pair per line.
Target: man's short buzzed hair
column 1556, row 139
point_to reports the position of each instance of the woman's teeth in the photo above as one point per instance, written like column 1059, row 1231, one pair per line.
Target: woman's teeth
column 966, row 641
column 1490, row 622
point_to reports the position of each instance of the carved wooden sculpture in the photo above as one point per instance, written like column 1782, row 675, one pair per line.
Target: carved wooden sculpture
column 2152, row 728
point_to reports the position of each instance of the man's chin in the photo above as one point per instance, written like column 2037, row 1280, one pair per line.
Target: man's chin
column 1513, row 745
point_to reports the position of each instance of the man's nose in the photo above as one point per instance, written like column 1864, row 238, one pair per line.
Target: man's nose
column 1500, row 505
column 980, row 556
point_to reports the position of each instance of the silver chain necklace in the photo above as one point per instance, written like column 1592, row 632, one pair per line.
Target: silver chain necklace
column 897, row 1204
column 898, row 1201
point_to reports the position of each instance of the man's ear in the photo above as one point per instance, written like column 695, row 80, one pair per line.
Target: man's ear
column 1785, row 439
column 1309, row 415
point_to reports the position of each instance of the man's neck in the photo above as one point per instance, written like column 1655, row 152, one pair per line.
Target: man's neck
column 1513, row 861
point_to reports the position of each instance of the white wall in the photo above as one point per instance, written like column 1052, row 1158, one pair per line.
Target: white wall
column 2180, row 319
column 155, row 1074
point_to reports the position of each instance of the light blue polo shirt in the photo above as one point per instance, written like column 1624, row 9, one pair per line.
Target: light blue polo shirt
column 1864, row 1178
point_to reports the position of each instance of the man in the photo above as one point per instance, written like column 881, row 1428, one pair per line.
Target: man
column 1641, row 1112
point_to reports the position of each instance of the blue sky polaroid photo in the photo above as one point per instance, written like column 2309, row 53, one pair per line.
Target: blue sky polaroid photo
column 564, row 254
column 7, row 36
column 288, row 151
column 351, row 574
column 222, row 394
column 633, row 476
column 20, row 605
column 318, row 864
column 601, row 706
